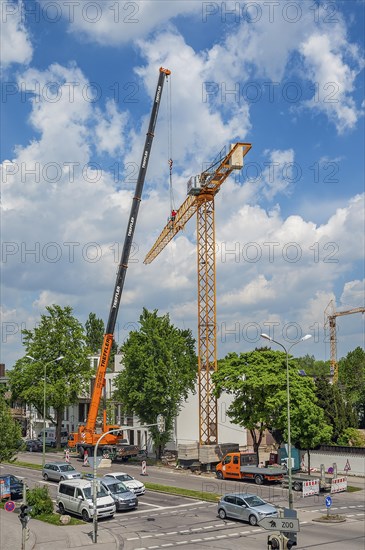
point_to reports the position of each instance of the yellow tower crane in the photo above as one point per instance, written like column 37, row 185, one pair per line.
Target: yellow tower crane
column 330, row 315
column 201, row 192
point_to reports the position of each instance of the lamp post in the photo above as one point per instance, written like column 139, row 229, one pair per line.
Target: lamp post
column 44, row 403
column 306, row 337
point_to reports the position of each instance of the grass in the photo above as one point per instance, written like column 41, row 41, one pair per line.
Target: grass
column 352, row 489
column 201, row 495
column 54, row 519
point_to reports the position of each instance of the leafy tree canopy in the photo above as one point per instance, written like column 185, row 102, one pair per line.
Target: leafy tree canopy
column 160, row 369
column 313, row 367
column 257, row 379
column 94, row 328
column 58, row 334
column 351, row 376
column 10, row 432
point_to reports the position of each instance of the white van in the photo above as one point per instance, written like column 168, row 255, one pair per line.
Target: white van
column 76, row 496
column 50, row 436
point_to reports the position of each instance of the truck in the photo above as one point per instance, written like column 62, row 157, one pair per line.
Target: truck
column 241, row 465
column 86, row 436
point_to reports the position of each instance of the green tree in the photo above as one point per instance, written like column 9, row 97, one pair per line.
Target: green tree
column 160, row 369
column 10, row 432
column 338, row 413
column 351, row 376
column 59, row 333
column 352, row 437
column 313, row 367
column 94, row 328
column 257, row 380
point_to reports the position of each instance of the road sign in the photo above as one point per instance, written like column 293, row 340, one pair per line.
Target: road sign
column 328, row 501
column 290, row 525
column 10, row 506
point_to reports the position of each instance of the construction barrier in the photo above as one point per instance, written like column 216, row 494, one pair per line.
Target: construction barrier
column 310, row 487
column 86, row 458
column 67, row 455
column 339, row 485
column 144, row 468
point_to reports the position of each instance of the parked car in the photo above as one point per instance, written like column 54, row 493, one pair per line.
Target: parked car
column 76, row 496
column 246, row 507
column 59, row 471
column 33, row 445
column 133, row 484
column 16, row 485
column 124, row 498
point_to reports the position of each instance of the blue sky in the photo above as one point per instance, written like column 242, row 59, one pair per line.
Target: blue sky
column 78, row 79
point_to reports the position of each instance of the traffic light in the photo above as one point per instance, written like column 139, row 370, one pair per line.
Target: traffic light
column 289, row 543
column 24, row 514
column 274, row 542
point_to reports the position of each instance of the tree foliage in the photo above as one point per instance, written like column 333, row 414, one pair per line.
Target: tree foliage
column 10, row 432
column 351, row 376
column 160, row 369
column 257, row 380
column 94, row 328
column 58, row 334
column 352, row 437
column 313, row 367
column 338, row 413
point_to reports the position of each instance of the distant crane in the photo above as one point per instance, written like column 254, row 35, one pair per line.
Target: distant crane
column 330, row 315
column 201, row 192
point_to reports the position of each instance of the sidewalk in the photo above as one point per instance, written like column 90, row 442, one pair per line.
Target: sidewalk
column 43, row 536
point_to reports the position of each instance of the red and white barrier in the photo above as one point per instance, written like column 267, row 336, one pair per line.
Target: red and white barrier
column 339, row 485
column 144, row 468
column 86, row 458
column 311, row 487
column 67, row 455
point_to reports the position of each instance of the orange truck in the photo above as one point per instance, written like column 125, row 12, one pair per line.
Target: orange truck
column 244, row 466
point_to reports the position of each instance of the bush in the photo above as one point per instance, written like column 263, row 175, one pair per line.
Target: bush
column 351, row 437
column 40, row 501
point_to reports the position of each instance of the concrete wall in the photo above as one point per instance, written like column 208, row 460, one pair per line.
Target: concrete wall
column 356, row 461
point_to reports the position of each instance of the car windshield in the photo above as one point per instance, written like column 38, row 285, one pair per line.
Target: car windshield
column 125, row 477
column 254, row 501
column 117, row 488
column 101, row 492
column 67, row 468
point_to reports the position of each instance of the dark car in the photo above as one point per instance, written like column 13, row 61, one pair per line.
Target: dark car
column 16, row 485
column 33, row 445
column 123, row 497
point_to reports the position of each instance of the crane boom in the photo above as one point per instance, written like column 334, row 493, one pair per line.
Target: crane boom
column 87, row 432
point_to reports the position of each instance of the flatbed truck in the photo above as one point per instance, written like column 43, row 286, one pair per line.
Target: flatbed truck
column 244, row 466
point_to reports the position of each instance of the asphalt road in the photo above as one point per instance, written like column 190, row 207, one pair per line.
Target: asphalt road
column 167, row 521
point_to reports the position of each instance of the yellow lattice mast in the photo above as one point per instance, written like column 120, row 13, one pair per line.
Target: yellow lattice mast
column 330, row 315
column 201, row 192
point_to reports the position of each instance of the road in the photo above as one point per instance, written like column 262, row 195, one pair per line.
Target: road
column 167, row 521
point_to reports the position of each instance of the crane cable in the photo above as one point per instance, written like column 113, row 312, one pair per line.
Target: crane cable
column 169, row 147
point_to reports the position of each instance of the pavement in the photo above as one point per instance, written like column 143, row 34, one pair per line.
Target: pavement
column 43, row 536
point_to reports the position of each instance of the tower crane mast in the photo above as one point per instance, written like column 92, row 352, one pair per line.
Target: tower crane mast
column 202, row 189
column 330, row 315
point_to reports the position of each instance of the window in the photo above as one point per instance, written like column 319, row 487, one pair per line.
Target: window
column 67, row 490
column 79, row 494
column 227, row 460
column 235, row 460
column 230, row 499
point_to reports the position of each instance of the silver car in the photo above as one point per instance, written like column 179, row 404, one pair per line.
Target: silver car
column 246, row 507
column 59, row 471
column 133, row 484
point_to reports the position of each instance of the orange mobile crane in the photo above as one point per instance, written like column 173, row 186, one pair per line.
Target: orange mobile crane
column 201, row 192
column 86, row 437
column 330, row 320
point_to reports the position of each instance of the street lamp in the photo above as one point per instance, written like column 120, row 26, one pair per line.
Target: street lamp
column 306, row 337
column 44, row 403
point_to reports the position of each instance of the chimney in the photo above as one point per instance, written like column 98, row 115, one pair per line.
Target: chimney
column 2, row 370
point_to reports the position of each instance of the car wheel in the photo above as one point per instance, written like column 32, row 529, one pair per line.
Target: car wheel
column 62, row 478
column 61, row 508
column 222, row 513
column 252, row 520
column 259, row 480
column 45, row 477
column 85, row 515
column 297, row 486
column 219, row 475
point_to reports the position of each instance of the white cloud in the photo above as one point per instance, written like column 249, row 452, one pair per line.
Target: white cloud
column 110, row 130
column 15, row 44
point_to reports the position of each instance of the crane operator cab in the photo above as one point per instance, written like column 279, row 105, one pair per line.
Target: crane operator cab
column 194, row 185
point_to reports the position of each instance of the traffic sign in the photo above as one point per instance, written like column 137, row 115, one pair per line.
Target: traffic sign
column 328, row 501
column 9, row 506
column 290, row 525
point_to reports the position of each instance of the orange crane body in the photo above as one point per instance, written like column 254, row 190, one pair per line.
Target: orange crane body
column 200, row 200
